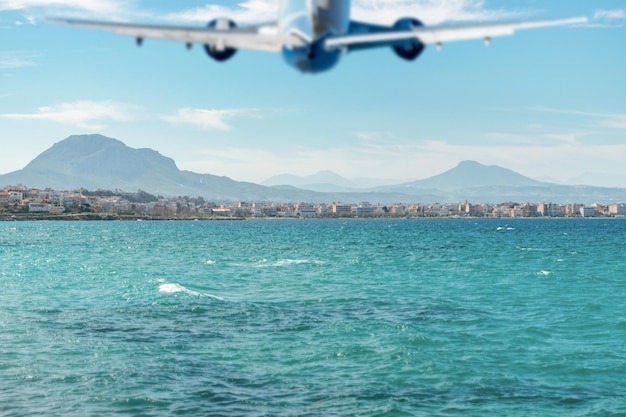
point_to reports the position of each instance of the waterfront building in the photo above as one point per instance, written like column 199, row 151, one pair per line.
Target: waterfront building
column 501, row 212
column 221, row 212
column 588, row 212
column 573, row 209
column 517, row 211
column 617, row 209
column 549, row 210
column 361, row 210
column 342, row 208
column 39, row 207
column 530, row 210
column 601, row 208
column 306, row 211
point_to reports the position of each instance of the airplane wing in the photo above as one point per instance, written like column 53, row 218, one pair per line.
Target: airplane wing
column 261, row 37
column 436, row 34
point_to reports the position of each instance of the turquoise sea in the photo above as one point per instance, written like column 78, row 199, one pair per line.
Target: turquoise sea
column 313, row 318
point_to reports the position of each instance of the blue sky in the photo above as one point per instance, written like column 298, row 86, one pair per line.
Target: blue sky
column 548, row 103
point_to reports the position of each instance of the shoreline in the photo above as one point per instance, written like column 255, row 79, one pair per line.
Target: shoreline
column 116, row 217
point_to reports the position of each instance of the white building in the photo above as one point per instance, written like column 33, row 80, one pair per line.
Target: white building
column 39, row 207
column 342, row 208
column 617, row 209
column 588, row 211
column 16, row 196
column 361, row 210
column 549, row 210
column 307, row 211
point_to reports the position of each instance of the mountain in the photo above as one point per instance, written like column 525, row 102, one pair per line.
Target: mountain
column 326, row 181
column 472, row 181
column 97, row 162
column 470, row 174
column 321, row 177
column 607, row 179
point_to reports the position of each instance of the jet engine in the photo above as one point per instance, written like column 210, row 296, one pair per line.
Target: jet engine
column 216, row 52
column 412, row 48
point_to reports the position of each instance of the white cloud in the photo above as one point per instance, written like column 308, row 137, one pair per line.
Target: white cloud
column 535, row 157
column 381, row 11
column 373, row 136
column 610, row 14
column 428, row 11
column 616, row 121
column 608, row 120
column 34, row 10
column 204, row 118
column 246, row 12
column 511, row 138
column 96, row 6
column 89, row 115
column 563, row 137
column 16, row 62
column 538, row 138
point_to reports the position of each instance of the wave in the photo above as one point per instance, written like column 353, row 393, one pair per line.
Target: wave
column 288, row 262
column 505, row 228
column 175, row 288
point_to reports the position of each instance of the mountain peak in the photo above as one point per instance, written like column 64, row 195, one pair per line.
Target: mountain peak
column 320, row 177
column 469, row 164
column 74, row 147
column 98, row 160
column 95, row 137
column 469, row 174
column 88, row 141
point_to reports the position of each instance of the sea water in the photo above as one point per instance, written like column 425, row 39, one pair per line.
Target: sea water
column 313, row 318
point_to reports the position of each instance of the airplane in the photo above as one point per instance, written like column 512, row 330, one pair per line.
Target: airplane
column 313, row 35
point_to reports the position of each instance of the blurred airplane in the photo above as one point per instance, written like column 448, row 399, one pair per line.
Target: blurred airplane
column 312, row 35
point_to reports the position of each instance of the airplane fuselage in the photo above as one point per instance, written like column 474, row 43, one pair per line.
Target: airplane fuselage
column 313, row 21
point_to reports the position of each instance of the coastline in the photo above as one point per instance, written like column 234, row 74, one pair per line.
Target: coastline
column 99, row 217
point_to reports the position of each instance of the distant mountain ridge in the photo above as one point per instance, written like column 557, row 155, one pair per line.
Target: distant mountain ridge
column 326, row 181
column 98, row 162
column 469, row 174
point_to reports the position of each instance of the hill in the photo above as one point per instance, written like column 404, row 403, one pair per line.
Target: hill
column 471, row 174
column 98, row 162
column 326, row 181
column 476, row 182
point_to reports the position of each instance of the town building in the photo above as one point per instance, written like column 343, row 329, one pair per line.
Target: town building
column 549, row 210
column 342, row 208
column 617, row 209
column 588, row 211
column 306, row 211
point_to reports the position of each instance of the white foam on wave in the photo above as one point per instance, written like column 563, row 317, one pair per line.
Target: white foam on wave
column 288, row 262
column 265, row 263
column 543, row 273
column 175, row 288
